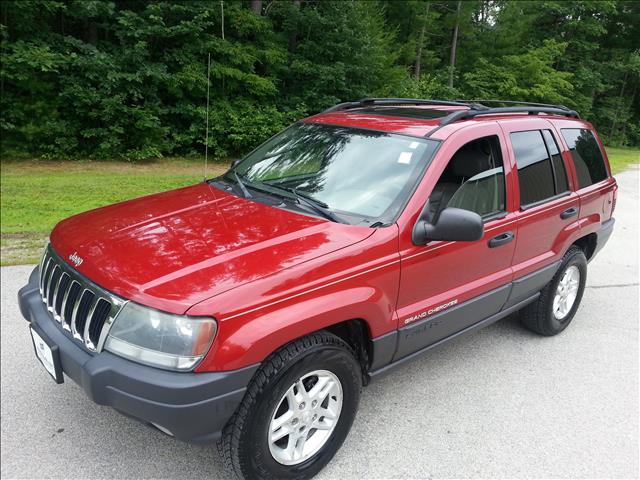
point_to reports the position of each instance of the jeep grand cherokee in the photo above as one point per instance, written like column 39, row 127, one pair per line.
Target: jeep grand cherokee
column 250, row 309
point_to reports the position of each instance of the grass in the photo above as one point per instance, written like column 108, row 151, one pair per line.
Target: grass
column 35, row 195
column 621, row 157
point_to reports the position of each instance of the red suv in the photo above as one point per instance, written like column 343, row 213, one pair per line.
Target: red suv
column 251, row 308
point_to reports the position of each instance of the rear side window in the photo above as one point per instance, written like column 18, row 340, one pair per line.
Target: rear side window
column 535, row 173
column 586, row 154
column 558, row 165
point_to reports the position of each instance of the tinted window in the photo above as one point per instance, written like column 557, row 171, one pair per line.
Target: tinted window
column 535, row 174
column 558, row 164
column 586, row 154
column 473, row 180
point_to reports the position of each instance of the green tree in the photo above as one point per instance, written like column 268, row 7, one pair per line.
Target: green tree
column 128, row 78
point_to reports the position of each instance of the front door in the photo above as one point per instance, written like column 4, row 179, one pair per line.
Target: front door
column 448, row 286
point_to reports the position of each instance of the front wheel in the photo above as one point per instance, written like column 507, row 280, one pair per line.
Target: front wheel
column 558, row 302
column 297, row 411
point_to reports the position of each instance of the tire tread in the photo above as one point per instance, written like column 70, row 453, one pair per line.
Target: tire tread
column 534, row 316
column 229, row 444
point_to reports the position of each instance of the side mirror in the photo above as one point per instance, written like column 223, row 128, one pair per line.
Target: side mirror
column 453, row 224
column 235, row 162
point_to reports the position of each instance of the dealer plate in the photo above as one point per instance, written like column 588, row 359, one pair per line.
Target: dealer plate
column 48, row 355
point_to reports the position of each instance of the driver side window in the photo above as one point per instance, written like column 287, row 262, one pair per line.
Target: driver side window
column 473, row 180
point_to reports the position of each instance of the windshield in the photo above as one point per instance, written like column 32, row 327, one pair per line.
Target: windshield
column 355, row 172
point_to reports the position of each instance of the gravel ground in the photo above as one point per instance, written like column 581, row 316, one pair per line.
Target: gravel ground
column 502, row 403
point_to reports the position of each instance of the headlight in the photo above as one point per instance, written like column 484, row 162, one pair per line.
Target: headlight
column 174, row 342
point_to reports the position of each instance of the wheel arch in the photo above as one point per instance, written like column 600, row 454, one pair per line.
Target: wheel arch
column 357, row 315
column 587, row 244
column 357, row 334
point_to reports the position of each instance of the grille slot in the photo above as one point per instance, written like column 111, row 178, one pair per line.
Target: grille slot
column 83, row 308
column 83, row 311
column 58, row 296
column 100, row 314
column 72, row 297
column 53, row 285
column 44, row 282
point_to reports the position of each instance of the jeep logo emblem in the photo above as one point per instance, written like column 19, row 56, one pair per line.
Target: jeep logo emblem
column 75, row 259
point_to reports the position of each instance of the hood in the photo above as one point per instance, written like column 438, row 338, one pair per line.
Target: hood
column 174, row 249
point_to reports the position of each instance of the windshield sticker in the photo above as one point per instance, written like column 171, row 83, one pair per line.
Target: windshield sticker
column 414, row 145
column 405, row 158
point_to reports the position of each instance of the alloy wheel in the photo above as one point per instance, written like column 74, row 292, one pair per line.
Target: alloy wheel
column 566, row 292
column 305, row 417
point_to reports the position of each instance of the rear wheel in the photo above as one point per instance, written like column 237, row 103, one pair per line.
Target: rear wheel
column 297, row 411
column 558, row 302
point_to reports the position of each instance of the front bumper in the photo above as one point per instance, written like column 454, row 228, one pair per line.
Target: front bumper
column 190, row 406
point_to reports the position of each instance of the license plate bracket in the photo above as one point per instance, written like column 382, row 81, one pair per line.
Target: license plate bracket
column 47, row 353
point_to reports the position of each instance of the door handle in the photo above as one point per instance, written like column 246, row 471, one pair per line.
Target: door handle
column 568, row 213
column 501, row 239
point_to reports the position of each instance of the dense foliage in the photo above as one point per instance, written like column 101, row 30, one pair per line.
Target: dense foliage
column 128, row 78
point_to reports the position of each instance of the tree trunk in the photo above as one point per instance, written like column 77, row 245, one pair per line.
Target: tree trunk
column 222, row 19
column 623, row 135
column 454, row 45
column 256, row 6
column 4, row 6
column 293, row 39
column 485, row 15
column 222, row 35
column 418, row 63
column 620, row 101
column 419, row 54
column 91, row 31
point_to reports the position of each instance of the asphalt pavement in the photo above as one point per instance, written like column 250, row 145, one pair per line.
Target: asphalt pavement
column 501, row 403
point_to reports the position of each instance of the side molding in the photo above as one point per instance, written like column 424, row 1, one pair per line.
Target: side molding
column 375, row 374
column 524, row 287
column 407, row 342
column 448, row 322
column 384, row 347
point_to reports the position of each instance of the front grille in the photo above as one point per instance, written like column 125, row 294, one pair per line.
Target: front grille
column 81, row 307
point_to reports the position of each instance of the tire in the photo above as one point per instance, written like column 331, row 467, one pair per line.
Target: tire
column 246, row 447
column 543, row 316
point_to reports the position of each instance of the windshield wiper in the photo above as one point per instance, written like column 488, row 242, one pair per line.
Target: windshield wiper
column 316, row 205
column 245, row 192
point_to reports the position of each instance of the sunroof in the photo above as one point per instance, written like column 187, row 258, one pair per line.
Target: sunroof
column 422, row 113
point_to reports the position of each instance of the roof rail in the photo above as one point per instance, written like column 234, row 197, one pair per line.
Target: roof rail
column 512, row 102
column 472, row 113
column 371, row 102
column 474, row 108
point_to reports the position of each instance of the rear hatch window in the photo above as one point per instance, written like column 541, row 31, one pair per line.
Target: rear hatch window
column 586, row 154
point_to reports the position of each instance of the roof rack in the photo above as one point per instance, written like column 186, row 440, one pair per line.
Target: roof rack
column 381, row 102
column 512, row 102
column 472, row 113
column 474, row 108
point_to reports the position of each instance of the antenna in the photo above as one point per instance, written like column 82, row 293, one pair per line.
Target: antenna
column 206, row 134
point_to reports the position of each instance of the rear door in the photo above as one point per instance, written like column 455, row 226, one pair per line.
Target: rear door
column 594, row 184
column 547, row 207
